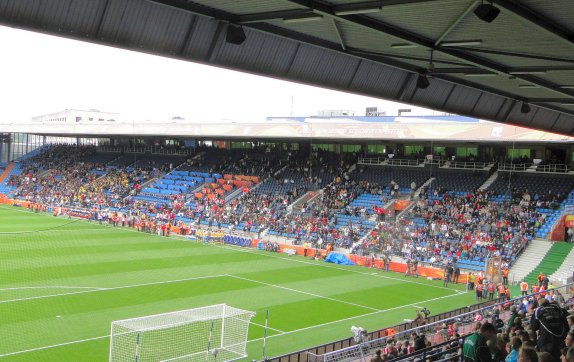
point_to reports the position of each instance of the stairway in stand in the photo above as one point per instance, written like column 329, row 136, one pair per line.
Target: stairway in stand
column 551, row 261
column 565, row 270
column 6, row 171
column 533, row 255
column 489, row 181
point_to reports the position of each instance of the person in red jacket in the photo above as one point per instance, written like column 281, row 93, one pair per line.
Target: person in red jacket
column 479, row 288
column 490, row 289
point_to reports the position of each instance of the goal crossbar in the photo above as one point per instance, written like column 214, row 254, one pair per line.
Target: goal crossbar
column 162, row 321
column 212, row 333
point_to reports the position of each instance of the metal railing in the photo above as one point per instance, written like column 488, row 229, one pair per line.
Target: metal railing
column 468, row 165
column 553, row 168
column 349, row 349
column 400, row 162
column 147, row 149
column 379, row 335
column 371, row 160
column 115, row 149
column 389, row 161
column 514, row 166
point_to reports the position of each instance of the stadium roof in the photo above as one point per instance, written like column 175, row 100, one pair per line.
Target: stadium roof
column 517, row 69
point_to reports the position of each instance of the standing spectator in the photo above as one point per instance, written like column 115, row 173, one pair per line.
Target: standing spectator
column 540, row 278
column 523, row 288
column 471, row 278
column 550, row 322
column 505, row 276
column 475, row 348
column 446, row 277
column 479, row 288
column 456, row 274
column 490, row 289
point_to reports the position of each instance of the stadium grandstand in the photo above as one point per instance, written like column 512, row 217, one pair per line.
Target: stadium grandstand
column 339, row 237
column 432, row 209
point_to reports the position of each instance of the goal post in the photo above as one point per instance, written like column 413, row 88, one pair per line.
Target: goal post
column 207, row 334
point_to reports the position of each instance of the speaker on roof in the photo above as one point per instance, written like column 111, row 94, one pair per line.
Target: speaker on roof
column 235, row 35
column 486, row 12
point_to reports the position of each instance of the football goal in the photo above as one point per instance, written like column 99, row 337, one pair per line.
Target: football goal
column 206, row 334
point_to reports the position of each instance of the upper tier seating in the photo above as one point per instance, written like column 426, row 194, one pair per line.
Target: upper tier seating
column 460, row 182
column 401, row 175
column 544, row 186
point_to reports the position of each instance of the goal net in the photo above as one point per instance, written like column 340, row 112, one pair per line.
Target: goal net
column 212, row 333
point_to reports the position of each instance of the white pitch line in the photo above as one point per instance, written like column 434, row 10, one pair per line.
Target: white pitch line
column 262, row 326
column 56, row 230
column 306, row 293
column 250, row 341
column 52, row 346
column 269, row 255
column 96, row 289
column 359, row 316
column 49, row 287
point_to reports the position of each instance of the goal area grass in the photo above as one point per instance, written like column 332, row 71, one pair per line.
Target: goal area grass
column 62, row 283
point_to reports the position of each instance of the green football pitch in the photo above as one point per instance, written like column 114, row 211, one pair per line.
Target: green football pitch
column 62, row 283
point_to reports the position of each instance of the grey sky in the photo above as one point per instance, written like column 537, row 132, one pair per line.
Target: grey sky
column 43, row 74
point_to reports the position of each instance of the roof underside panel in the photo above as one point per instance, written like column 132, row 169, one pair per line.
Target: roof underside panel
column 523, row 56
column 378, row 80
column 489, row 105
column 80, row 17
column 259, row 53
column 312, row 64
column 436, row 95
column 248, row 6
column 543, row 116
column 202, row 34
column 562, row 12
column 417, row 17
column 564, row 124
column 462, row 99
column 139, row 25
